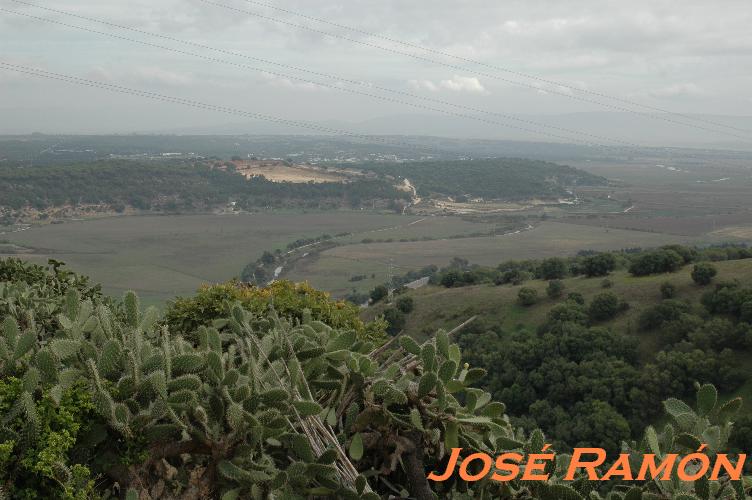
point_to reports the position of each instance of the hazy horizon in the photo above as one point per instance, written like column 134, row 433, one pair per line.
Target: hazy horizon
column 686, row 57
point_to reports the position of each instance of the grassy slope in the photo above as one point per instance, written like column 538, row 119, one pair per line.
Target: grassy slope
column 438, row 307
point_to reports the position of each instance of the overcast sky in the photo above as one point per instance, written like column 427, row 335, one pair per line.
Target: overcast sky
column 683, row 55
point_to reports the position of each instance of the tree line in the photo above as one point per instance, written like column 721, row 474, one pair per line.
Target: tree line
column 172, row 186
column 497, row 178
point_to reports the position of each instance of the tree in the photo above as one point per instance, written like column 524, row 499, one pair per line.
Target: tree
column 703, row 273
column 268, row 258
column 567, row 312
column 527, row 296
column 395, row 321
column 553, row 268
column 657, row 315
column 378, row 293
column 451, row 278
column 604, row 306
column 745, row 312
column 405, row 304
column 668, row 290
column 598, row 265
column 598, row 422
column 659, row 261
column 576, row 297
column 555, row 289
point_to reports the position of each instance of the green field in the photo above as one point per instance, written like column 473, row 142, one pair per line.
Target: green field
column 163, row 256
column 332, row 268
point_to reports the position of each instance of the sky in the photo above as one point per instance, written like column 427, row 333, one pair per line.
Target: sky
column 685, row 56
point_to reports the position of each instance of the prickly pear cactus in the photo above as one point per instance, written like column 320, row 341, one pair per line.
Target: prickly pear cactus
column 261, row 406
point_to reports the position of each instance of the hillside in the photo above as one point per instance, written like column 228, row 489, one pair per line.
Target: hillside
column 492, row 179
column 119, row 185
column 223, row 397
column 616, row 342
column 440, row 307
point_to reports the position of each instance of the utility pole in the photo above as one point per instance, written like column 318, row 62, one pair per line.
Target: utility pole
column 389, row 285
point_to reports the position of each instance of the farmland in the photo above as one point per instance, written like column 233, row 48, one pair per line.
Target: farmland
column 164, row 256
column 332, row 268
column 177, row 240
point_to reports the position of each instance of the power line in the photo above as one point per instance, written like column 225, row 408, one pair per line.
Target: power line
column 490, row 66
column 461, row 68
column 326, row 85
column 197, row 104
column 633, row 146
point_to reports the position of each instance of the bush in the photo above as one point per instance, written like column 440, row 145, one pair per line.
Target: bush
column 668, row 310
column 405, row 304
column 289, row 299
column 395, row 320
column 378, row 293
column 576, row 297
column 598, row 265
column 604, row 306
column 555, row 289
column 513, row 276
column 659, row 261
column 553, row 268
column 703, row 273
column 668, row 290
column 745, row 312
column 567, row 312
column 527, row 296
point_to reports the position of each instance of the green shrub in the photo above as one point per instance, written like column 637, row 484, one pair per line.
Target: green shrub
column 598, row 265
column 555, row 289
column 659, row 261
column 703, row 273
column 405, row 304
column 527, row 296
column 576, row 297
column 553, row 268
column 668, row 310
column 668, row 290
column 378, row 293
column 604, row 306
column 395, row 320
column 289, row 299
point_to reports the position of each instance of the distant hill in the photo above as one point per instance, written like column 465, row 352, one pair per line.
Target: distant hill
column 170, row 186
column 498, row 178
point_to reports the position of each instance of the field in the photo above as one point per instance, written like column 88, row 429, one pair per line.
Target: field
column 331, row 269
column 164, row 256
column 647, row 202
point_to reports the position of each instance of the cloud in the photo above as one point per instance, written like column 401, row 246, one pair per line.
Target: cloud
column 678, row 90
column 423, row 85
column 153, row 74
column 141, row 76
column 286, row 83
column 469, row 84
